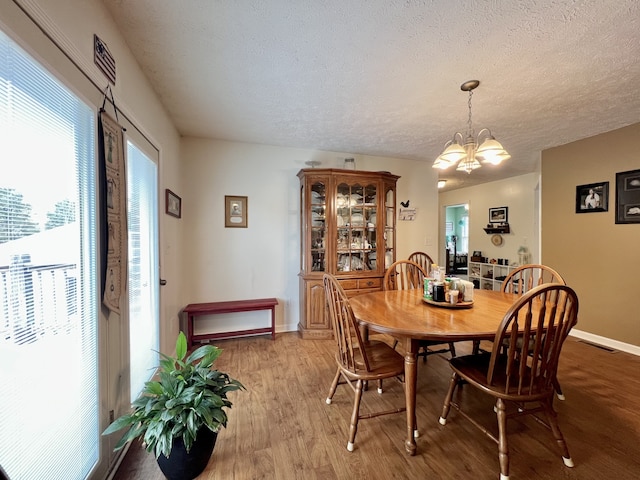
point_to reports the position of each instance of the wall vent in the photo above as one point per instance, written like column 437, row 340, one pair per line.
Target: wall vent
column 601, row 347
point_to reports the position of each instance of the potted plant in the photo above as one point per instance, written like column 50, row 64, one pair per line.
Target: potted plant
column 179, row 414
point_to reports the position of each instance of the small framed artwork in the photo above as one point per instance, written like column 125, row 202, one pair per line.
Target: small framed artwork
column 628, row 197
column 593, row 197
column 173, row 204
column 235, row 212
column 499, row 215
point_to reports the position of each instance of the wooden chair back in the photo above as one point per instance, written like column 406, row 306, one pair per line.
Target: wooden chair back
column 351, row 354
column 358, row 362
column 403, row 275
column 408, row 275
column 422, row 259
column 525, row 277
column 541, row 319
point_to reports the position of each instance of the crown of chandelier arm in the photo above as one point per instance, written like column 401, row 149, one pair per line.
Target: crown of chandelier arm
column 469, row 151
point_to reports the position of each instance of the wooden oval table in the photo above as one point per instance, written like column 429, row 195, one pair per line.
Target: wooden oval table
column 404, row 315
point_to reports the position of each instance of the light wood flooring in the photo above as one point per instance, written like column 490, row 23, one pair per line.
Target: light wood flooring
column 281, row 427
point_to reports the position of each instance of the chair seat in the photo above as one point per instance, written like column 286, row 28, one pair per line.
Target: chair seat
column 515, row 375
column 474, row 368
column 359, row 361
column 384, row 361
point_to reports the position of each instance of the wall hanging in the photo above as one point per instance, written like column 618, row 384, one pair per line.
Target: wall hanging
column 593, row 197
column 628, row 197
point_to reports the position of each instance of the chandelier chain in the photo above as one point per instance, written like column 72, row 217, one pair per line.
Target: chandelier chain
column 470, row 131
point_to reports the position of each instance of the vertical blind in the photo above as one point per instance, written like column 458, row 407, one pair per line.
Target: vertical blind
column 143, row 282
column 48, row 277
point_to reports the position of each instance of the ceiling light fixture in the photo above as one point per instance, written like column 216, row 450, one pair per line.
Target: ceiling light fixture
column 469, row 152
column 441, row 183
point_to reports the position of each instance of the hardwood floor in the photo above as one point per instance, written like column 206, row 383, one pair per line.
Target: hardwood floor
column 281, row 427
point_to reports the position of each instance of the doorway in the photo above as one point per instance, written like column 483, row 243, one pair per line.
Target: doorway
column 456, row 239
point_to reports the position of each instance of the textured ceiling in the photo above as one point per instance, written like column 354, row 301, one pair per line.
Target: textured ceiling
column 382, row 77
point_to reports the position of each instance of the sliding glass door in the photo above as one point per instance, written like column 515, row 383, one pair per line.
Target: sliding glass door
column 49, row 416
column 143, row 282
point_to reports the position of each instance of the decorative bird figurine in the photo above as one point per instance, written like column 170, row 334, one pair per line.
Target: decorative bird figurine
column 405, row 204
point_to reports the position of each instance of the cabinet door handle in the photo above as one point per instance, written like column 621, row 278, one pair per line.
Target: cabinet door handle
column 369, row 283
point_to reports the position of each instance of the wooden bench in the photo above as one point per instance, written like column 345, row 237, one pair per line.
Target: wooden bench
column 194, row 310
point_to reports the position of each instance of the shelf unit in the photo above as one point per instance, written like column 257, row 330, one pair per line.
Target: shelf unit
column 500, row 229
column 488, row 276
column 347, row 229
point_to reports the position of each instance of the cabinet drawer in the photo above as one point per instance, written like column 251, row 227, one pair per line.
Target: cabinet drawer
column 370, row 283
column 350, row 284
column 361, row 283
column 353, row 293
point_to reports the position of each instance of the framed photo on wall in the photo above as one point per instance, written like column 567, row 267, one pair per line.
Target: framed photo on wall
column 499, row 215
column 628, row 197
column 173, row 204
column 593, row 197
column 235, row 211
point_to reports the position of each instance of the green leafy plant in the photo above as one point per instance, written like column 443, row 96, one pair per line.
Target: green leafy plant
column 187, row 396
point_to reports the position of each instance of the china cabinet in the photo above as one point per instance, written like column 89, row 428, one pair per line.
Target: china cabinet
column 488, row 276
column 348, row 229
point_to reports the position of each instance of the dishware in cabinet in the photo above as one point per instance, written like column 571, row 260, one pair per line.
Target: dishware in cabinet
column 348, row 230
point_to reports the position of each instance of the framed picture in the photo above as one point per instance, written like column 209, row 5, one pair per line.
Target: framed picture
column 628, row 197
column 499, row 215
column 235, row 212
column 173, row 204
column 592, row 198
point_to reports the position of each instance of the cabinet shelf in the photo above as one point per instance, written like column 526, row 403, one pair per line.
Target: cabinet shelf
column 498, row 229
column 347, row 230
column 488, row 276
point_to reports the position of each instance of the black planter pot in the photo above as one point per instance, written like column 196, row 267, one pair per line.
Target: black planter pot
column 186, row 466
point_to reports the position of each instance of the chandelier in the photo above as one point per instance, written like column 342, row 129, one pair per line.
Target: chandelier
column 469, row 152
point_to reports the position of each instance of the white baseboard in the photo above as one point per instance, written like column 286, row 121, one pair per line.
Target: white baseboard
column 120, row 456
column 606, row 342
column 589, row 337
column 293, row 327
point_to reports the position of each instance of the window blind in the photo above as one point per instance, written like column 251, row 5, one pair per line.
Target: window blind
column 143, row 282
column 48, row 292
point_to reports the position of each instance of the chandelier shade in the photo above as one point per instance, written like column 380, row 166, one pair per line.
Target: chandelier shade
column 467, row 152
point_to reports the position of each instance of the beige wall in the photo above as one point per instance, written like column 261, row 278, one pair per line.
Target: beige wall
column 591, row 252
column 263, row 260
column 597, row 257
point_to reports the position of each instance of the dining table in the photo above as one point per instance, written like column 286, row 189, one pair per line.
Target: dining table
column 409, row 318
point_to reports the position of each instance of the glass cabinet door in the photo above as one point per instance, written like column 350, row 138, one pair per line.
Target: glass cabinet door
column 347, row 222
column 356, row 227
column 318, row 228
column 389, row 227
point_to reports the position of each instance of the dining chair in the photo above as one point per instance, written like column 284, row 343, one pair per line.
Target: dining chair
column 523, row 279
column 408, row 275
column 543, row 317
column 403, row 275
column 358, row 361
column 520, row 281
column 422, row 259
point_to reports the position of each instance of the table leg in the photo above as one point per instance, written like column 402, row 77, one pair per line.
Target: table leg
column 410, row 385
